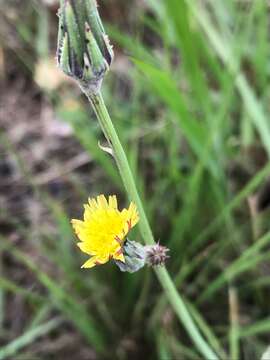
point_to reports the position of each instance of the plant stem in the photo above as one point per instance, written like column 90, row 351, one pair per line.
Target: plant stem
column 164, row 278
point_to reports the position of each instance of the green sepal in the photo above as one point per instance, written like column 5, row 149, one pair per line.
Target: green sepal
column 94, row 19
column 135, row 257
column 79, row 7
column 76, row 44
column 61, row 34
column 64, row 56
column 97, row 61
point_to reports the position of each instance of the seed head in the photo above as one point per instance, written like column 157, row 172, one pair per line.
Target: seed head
column 156, row 255
column 84, row 51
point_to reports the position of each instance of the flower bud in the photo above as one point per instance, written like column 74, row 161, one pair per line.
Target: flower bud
column 84, row 51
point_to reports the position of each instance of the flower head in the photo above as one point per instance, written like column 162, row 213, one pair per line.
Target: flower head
column 103, row 230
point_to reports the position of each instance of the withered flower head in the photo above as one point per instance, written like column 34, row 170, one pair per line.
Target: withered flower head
column 156, row 255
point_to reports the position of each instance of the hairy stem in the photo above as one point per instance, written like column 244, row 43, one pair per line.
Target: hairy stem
column 165, row 280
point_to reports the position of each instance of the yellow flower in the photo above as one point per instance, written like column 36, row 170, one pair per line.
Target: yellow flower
column 103, row 230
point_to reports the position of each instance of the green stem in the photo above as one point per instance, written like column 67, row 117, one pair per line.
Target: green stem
column 165, row 280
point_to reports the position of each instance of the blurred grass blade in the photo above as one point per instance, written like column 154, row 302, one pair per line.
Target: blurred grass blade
column 234, row 323
column 206, row 330
column 259, row 327
column 65, row 302
column 86, row 132
column 165, row 87
column 240, row 265
column 2, row 297
column 188, row 45
column 10, row 350
column 251, row 102
column 8, row 285
column 236, row 201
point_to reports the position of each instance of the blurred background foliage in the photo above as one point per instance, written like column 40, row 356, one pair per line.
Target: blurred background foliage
column 189, row 95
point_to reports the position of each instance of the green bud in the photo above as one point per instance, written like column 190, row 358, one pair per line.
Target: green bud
column 84, row 51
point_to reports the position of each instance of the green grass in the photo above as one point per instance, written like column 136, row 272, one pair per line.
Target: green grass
column 196, row 109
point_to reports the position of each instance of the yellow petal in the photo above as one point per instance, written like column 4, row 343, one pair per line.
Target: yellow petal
column 119, row 257
column 130, row 217
column 77, row 223
column 95, row 260
column 93, row 204
column 86, row 248
column 102, row 202
column 133, row 213
column 113, row 202
column 89, row 263
column 79, row 228
column 100, row 260
column 87, row 213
